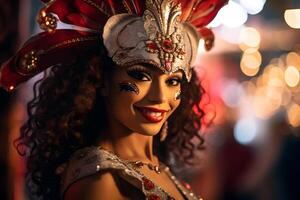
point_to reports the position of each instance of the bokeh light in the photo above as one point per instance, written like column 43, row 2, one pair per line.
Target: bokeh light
column 266, row 102
column 293, row 115
column 293, row 58
column 253, row 7
column 292, row 18
column 292, row 76
column 232, row 93
column 249, row 38
column 250, row 62
column 245, row 131
column 232, row 15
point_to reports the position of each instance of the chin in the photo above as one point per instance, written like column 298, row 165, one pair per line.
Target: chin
column 149, row 129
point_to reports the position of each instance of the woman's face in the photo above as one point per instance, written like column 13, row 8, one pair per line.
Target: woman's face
column 141, row 97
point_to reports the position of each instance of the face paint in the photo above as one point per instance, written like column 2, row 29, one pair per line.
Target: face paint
column 177, row 95
column 129, row 87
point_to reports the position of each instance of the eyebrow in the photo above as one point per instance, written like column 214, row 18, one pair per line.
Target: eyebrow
column 152, row 67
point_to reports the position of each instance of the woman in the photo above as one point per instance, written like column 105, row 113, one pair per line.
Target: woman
column 115, row 108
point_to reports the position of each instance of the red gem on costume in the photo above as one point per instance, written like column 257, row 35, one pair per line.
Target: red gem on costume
column 149, row 185
column 153, row 197
column 168, row 66
column 187, row 186
column 167, row 44
column 152, row 45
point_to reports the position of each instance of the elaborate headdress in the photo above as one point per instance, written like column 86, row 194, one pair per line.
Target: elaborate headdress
column 164, row 33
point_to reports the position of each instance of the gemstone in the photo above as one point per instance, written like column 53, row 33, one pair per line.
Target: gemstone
column 153, row 197
column 167, row 44
column 168, row 66
column 149, row 185
column 187, row 186
column 152, row 46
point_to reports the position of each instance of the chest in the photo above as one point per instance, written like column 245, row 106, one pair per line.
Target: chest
column 164, row 181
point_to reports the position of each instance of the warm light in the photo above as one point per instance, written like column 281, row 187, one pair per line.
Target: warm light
column 233, row 15
column 266, row 102
column 291, row 76
column 293, row 58
column 253, row 6
column 230, row 35
column 275, row 72
column 250, row 62
column 43, row 13
column 249, row 87
column 249, row 37
column 292, row 18
column 11, row 87
column 286, row 97
column 293, row 115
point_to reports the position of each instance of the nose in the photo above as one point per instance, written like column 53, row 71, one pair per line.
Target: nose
column 157, row 93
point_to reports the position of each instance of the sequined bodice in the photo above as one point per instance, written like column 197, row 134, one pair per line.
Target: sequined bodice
column 90, row 160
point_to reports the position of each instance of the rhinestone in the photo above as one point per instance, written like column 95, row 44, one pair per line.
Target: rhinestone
column 152, row 46
column 187, row 186
column 149, row 185
column 153, row 197
column 168, row 66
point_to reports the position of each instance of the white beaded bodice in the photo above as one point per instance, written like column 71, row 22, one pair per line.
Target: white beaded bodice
column 90, row 160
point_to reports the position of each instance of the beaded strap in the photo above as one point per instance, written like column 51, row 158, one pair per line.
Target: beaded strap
column 91, row 160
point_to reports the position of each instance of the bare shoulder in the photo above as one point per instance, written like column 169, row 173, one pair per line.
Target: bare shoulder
column 96, row 187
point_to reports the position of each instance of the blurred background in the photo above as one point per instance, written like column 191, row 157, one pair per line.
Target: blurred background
column 252, row 80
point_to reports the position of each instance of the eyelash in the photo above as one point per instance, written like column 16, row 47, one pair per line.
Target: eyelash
column 178, row 81
column 139, row 73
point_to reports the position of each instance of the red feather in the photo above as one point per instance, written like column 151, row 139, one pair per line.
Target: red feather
column 200, row 12
column 93, row 14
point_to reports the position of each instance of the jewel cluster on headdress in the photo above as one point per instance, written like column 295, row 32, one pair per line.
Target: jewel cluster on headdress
column 168, row 29
column 167, row 48
column 47, row 21
column 166, row 39
column 28, row 63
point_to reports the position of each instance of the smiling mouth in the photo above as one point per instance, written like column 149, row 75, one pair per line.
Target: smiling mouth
column 153, row 115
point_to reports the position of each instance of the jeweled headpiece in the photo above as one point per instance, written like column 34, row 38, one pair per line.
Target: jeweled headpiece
column 164, row 33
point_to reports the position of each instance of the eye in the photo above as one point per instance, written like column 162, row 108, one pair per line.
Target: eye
column 139, row 74
column 174, row 81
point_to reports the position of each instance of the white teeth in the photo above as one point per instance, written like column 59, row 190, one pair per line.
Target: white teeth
column 153, row 114
column 158, row 114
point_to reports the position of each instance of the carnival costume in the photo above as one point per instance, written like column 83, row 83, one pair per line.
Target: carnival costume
column 163, row 33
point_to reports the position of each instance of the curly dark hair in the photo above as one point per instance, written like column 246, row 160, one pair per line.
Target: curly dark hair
column 62, row 119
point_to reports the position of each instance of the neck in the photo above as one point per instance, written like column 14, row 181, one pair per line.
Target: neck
column 128, row 145
column 131, row 147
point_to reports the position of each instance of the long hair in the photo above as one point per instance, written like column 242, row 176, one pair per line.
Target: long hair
column 64, row 116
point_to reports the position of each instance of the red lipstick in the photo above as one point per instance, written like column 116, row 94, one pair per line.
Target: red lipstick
column 153, row 115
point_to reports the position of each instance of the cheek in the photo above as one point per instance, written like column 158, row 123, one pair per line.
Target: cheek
column 121, row 104
column 174, row 105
